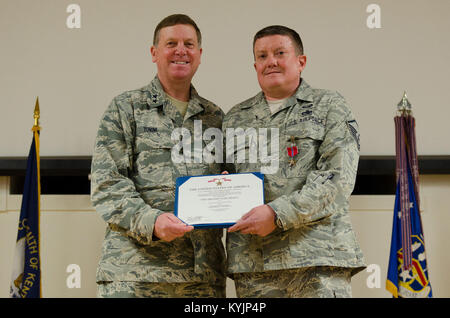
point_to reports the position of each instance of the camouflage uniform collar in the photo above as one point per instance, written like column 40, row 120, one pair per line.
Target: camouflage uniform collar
column 304, row 92
column 259, row 98
column 195, row 106
column 157, row 98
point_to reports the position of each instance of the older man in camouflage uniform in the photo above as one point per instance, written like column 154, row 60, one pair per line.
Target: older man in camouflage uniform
column 301, row 243
column 147, row 251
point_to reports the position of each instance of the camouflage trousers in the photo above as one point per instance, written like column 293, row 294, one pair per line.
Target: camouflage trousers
column 159, row 290
column 308, row 282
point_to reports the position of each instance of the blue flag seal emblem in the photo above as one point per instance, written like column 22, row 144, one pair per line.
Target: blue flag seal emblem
column 414, row 283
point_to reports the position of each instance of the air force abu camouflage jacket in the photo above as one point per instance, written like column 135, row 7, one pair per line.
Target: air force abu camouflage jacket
column 309, row 194
column 133, row 182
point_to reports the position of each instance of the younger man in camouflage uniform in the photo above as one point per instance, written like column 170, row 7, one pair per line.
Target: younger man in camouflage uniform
column 147, row 251
column 301, row 243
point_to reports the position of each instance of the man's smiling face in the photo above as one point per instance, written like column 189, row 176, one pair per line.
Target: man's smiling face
column 177, row 53
column 278, row 66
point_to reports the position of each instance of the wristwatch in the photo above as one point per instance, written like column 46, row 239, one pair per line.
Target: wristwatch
column 278, row 222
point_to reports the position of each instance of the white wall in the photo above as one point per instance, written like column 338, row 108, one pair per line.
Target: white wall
column 76, row 72
column 72, row 233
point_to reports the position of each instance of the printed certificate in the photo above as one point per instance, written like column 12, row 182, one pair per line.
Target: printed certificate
column 217, row 200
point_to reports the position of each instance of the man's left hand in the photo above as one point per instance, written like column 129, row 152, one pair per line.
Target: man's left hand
column 260, row 221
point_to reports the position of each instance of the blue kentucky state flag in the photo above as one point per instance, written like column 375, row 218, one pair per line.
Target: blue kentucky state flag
column 412, row 282
column 26, row 276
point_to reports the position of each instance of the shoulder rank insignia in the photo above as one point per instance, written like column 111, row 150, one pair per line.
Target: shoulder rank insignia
column 353, row 127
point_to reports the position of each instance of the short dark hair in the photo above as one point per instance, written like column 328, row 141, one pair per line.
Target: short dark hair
column 176, row 19
column 281, row 30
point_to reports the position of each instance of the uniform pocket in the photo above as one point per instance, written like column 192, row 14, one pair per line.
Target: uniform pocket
column 154, row 168
column 153, row 161
column 312, row 241
column 245, row 159
column 300, row 145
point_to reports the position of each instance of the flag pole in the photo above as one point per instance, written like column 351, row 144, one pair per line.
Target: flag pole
column 36, row 129
column 36, row 132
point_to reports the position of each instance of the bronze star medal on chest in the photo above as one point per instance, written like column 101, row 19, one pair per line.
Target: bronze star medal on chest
column 292, row 152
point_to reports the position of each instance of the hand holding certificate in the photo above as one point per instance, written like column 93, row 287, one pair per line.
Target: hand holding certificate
column 217, row 200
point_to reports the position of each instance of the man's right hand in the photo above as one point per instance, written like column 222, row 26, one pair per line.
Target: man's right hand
column 168, row 227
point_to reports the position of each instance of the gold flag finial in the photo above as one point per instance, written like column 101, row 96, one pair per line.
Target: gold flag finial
column 36, row 113
column 404, row 104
